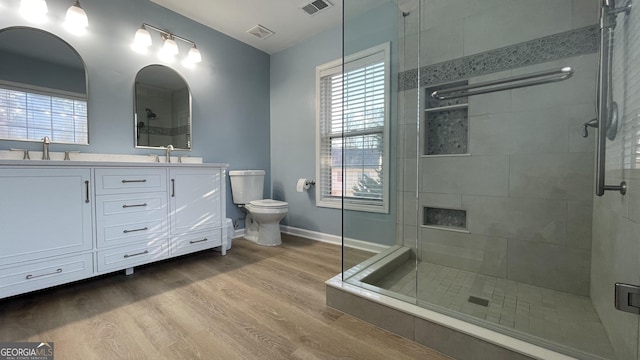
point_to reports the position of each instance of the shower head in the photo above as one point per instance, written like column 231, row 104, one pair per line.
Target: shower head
column 150, row 114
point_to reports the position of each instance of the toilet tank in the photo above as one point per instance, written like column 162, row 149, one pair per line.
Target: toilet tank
column 246, row 185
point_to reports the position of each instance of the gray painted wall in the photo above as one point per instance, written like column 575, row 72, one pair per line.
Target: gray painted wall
column 230, row 87
column 293, row 125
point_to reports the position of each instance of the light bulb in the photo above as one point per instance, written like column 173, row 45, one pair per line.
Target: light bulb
column 34, row 10
column 141, row 41
column 170, row 47
column 194, row 55
column 76, row 20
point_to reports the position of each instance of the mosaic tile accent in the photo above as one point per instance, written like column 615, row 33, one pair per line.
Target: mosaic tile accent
column 447, row 132
column 445, row 217
column 558, row 46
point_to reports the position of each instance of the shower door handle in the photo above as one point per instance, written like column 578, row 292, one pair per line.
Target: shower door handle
column 627, row 298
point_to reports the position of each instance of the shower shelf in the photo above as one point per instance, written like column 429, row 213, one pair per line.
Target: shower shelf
column 446, row 130
column 445, row 219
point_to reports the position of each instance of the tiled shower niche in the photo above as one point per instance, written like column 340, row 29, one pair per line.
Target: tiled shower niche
column 448, row 218
column 447, row 123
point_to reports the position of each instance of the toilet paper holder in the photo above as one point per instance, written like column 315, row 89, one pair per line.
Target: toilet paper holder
column 303, row 184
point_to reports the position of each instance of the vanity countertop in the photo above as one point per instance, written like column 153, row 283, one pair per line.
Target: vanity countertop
column 4, row 162
column 14, row 158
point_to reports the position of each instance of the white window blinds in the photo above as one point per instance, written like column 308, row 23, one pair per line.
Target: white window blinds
column 32, row 115
column 352, row 126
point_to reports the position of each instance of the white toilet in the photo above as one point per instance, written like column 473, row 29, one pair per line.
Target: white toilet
column 262, row 224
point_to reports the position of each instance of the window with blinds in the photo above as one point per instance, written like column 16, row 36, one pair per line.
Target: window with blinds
column 27, row 114
column 352, row 139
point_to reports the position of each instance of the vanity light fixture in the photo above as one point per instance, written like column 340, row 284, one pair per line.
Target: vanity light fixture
column 34, row 10
column 76, row 20
column 142, row 41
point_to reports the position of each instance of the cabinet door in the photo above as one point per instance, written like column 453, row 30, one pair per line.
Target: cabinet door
column 195, row 198
column 45, row 212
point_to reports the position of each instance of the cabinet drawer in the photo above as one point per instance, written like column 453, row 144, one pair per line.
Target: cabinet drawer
column 126, row 218
column 131, row 255
column 185, row 244
column 123, row 181
column 42, row 274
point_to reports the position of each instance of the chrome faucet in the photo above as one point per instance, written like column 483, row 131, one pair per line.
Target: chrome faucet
column 168, row 153
column 25, row 153
column 45, row 148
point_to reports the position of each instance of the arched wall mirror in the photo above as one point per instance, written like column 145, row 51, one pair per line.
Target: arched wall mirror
column 162, row 109
column 43, row 88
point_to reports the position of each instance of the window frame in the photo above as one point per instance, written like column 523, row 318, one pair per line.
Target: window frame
column 336, row 67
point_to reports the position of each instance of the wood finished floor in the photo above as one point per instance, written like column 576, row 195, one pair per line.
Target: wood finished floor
column 255, row 303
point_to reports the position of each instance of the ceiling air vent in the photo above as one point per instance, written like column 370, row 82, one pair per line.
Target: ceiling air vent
column 316, row 6
column 260, row 32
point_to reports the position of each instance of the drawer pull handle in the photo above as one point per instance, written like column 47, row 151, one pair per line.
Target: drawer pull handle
column 197, row 241
column 134, row 230
column 132, row 255
column 135, row 205
column 134, row 181
column 58, row 271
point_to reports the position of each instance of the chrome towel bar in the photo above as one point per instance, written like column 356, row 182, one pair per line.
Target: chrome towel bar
column 514, row 82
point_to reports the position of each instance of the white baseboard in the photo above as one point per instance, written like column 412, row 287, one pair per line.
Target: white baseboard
column 322, row 237
column 333, row 239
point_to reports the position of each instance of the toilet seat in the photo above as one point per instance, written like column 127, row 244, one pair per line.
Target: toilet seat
column 268, row 204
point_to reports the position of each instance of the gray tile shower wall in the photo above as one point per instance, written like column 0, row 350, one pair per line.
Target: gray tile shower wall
column 525, row 180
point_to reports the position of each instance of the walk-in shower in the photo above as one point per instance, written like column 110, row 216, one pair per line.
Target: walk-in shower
column 514, row 148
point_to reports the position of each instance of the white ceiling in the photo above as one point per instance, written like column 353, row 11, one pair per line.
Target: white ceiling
column 284, row 17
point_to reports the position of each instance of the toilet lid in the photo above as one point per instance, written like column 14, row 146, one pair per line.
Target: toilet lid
column 269, row 203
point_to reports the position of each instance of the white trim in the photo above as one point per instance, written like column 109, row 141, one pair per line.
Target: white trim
column 34, row 89
column 334, row 239
column 476, row 331
column 326, row 238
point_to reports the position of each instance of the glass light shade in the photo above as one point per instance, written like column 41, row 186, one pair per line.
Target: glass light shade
column 76, row 20
column 194, row 55
column 170, row 47
column 142, row 39
column 34, row 10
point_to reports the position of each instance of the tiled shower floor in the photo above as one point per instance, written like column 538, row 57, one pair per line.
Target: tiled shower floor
column 560, row 317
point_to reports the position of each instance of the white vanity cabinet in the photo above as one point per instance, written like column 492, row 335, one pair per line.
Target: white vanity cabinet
column 46, row 235
column 196, row 209
column 62, row 223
